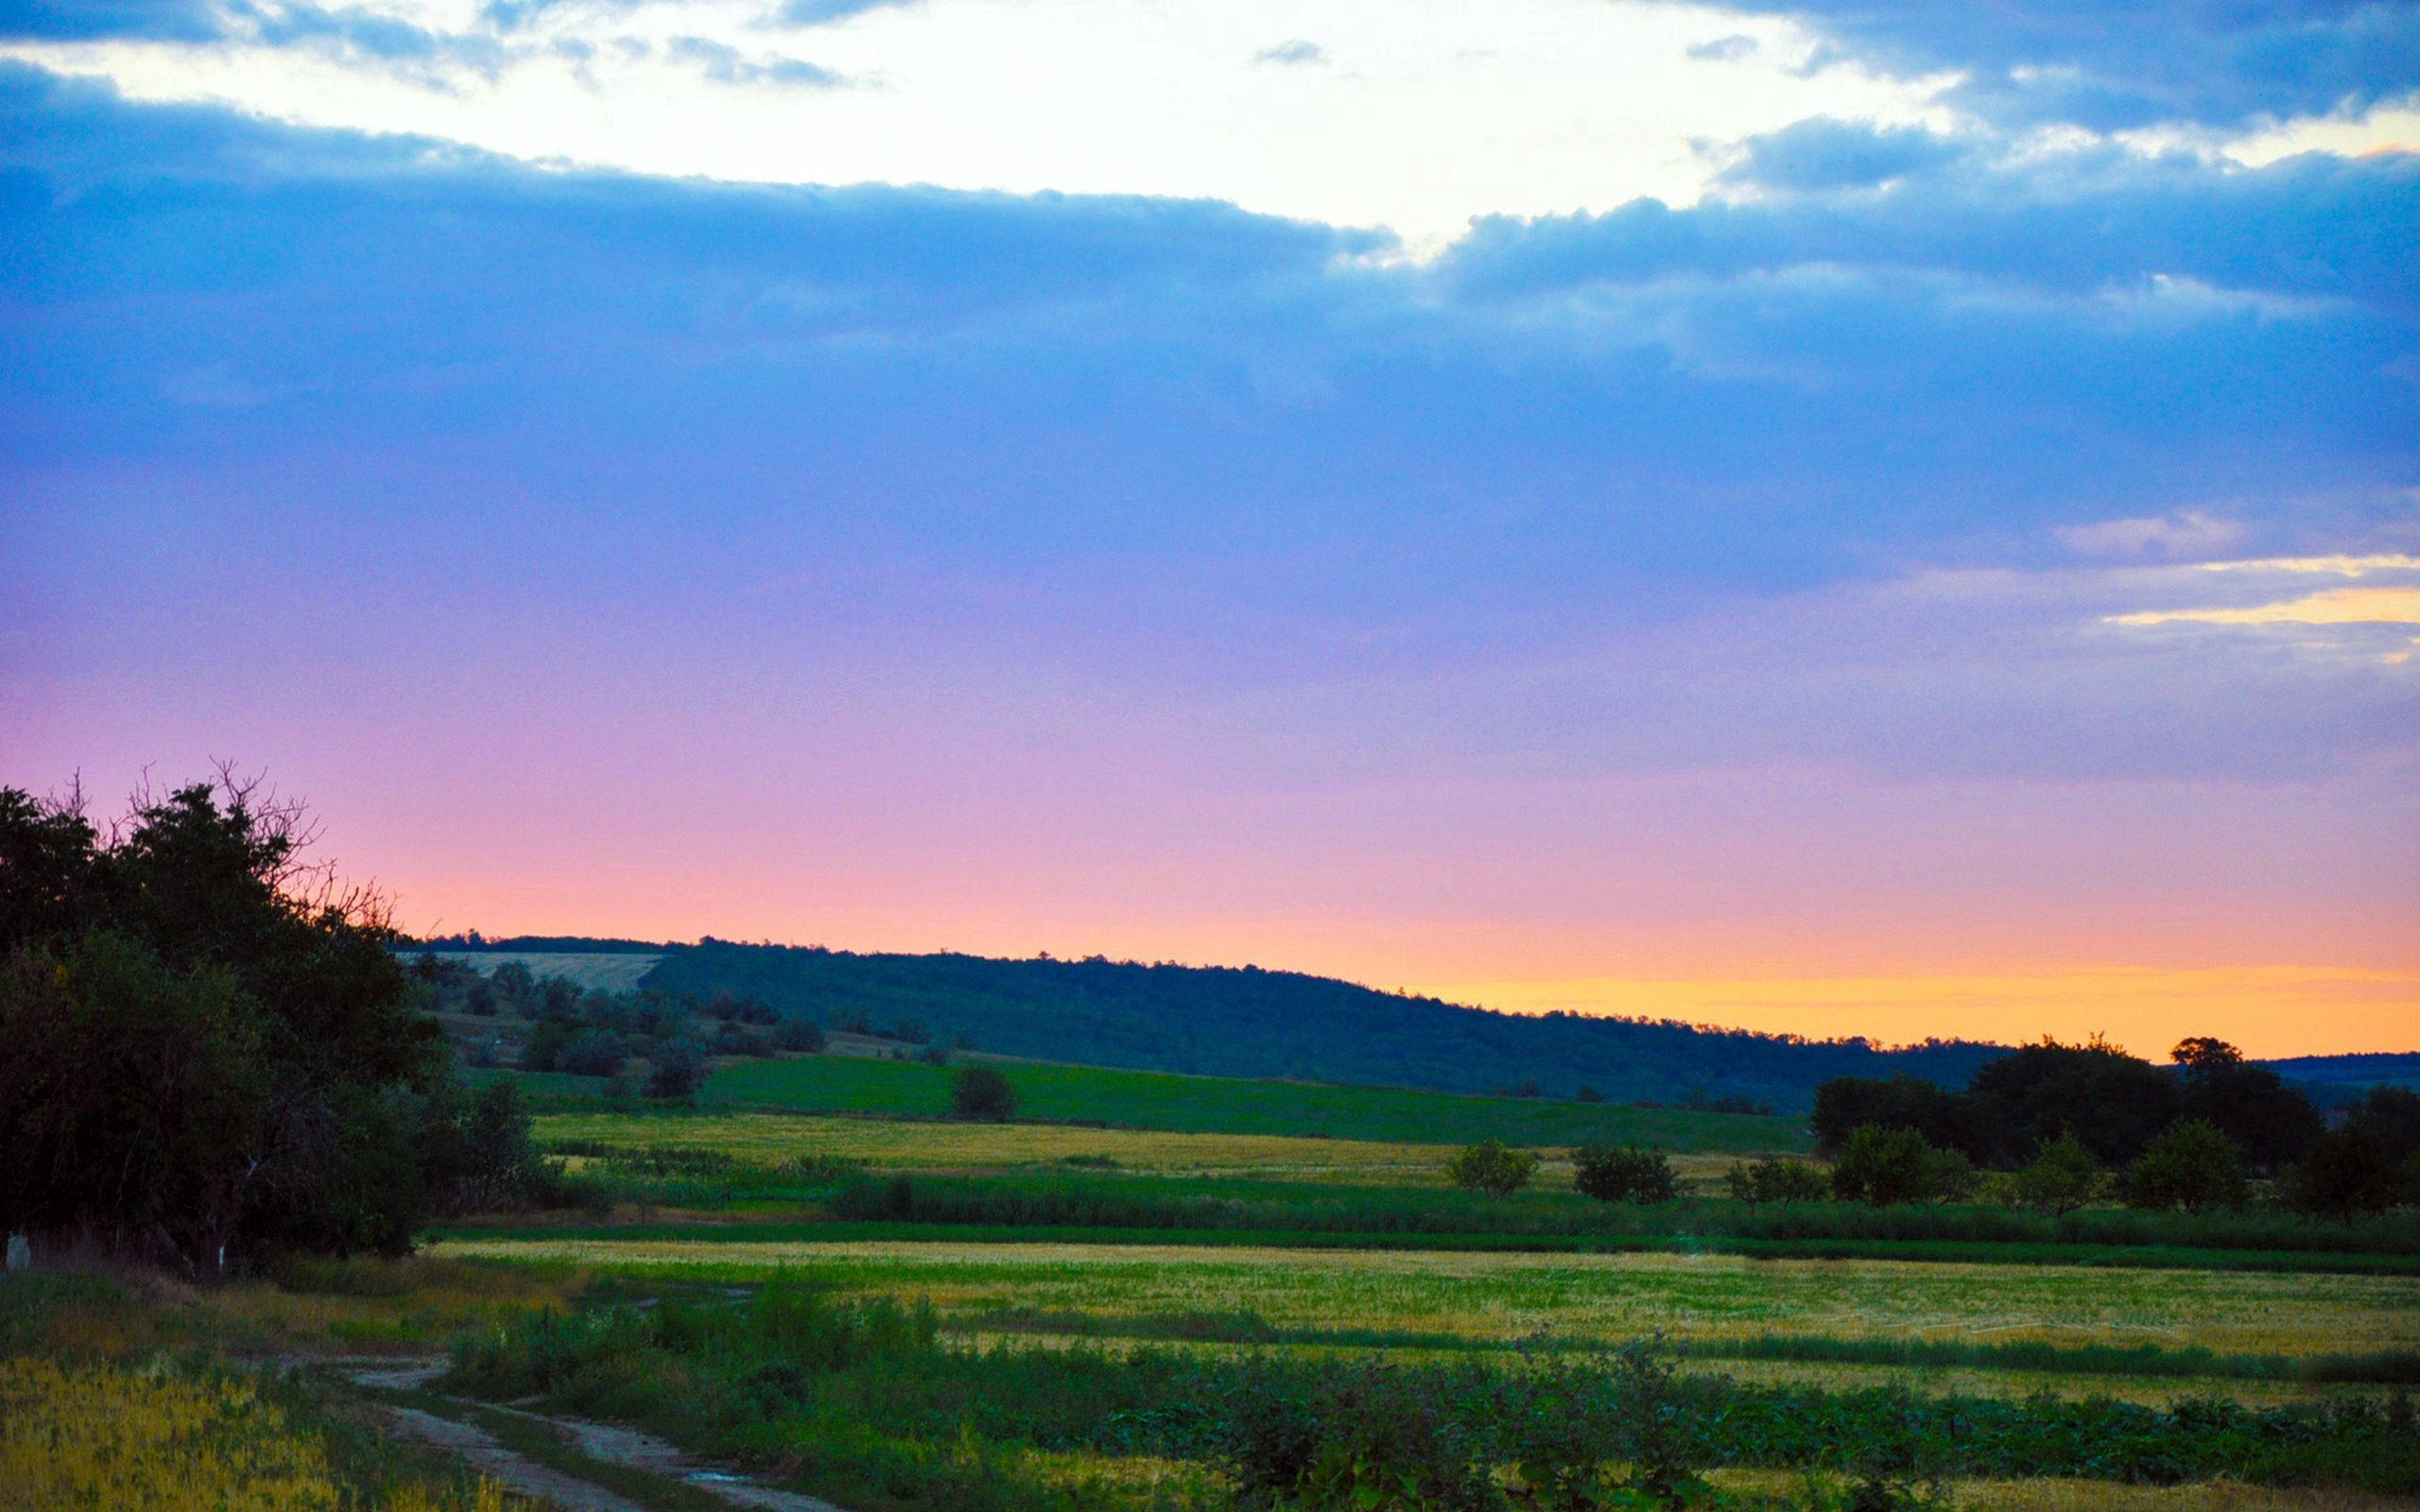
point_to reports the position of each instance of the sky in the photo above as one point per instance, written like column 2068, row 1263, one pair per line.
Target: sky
column 1847, row 519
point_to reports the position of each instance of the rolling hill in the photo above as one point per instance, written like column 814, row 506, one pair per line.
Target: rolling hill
column 1245, row 1021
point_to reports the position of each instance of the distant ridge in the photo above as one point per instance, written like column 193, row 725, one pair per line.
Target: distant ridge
column 1244, row 1021
column 1248, row 1022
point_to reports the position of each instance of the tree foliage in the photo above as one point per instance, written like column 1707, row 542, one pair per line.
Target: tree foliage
column 1626, row 1175
column 1882, row 1166
column 2060, row 1177
column 2190, row 1165
column 982, row 1094
column 212, row 1049
column 2346, row 1172
column 1493, row 1167
column 2111, row 1103
column 1774, row 1180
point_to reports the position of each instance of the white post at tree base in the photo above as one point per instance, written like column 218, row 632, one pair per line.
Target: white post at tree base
column 20, row 1252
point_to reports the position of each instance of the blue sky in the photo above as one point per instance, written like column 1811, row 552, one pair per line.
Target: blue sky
column 1579, row 504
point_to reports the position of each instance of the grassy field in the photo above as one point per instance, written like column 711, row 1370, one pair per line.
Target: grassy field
column 1211, row 1105
column 1502, row 1297
column 937, row 1148
column 603, row 970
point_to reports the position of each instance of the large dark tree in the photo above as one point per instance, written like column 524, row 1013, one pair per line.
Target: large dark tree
column 212, row 1049
column 2111, row 1101
column 2251, row 1104
column 1847, row 1103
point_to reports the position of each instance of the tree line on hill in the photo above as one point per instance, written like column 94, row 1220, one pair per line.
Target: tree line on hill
column 592, row 1031
column 1248, row 1022
column 212, row 1052
column 2072, row 1120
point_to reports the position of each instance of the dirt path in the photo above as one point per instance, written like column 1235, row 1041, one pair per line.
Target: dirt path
column 479, row 1449
column 607, row 1443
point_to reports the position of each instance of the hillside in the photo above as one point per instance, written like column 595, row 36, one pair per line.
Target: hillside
column 1244, row 1021
column 1160, row 1100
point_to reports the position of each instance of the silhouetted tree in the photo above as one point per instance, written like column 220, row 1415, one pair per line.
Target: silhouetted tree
column 1626, row 1175
column 2251, row 1104
column 211, row 1046
column 1847, row 1103
column 1880, row 1166
column 2109, row 1100
column 2345, row 1172
column 2190, row 1164
column 676, row 1068
column 2060, row 1177
column 983, row 1093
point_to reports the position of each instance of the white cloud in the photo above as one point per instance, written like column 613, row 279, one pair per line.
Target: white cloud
column 2176, row 537
column 1438, row 112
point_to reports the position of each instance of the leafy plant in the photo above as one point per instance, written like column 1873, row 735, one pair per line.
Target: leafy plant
column 1492, row 1167
column 2190, row 1165
column 1626, row 1175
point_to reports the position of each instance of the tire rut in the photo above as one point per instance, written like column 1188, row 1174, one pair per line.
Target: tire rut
column 610, row 1443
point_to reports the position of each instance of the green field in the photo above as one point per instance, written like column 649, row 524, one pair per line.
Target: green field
column 1213, row 1104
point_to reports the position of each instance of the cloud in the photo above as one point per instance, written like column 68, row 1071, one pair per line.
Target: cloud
column 1723, row 49
column 2185, row 535
column 2312, row 228
column 1291, row 54
column 2334, row 606
column 1664, row 487
column 2341, row 565
column 365, row 36
column 2114, row 68
column 727, row 65
column 1824, row 153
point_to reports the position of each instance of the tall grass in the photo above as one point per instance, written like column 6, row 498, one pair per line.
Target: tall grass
column 96, row 1435
column 1086, row 1203
column 869, row 1394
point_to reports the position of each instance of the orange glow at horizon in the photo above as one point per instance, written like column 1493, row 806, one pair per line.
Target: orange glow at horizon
column 2268, row 1011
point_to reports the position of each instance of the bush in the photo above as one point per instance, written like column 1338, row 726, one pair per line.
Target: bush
column 589, row 1053
column 1773, row 1179
column 1883, row 1166
column 2189, row 1164
column 1369, row 1438
column 2062, row 1178
column 676, row 1068
column 798, row 1034
column 1627, row 1174
column 982, row 1094
column 2343, row 1172
column 1492, row 1167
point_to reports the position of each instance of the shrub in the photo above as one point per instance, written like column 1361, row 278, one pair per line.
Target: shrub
column 2343, row 1172
column 1882, row 1166
column 2189, row 1164
column 676, row 1068
column 2062, row 1178
column 1627, row 1174
column 590, row 1053
column 1493, row 1167
column 1773, row 1179
column 982, row 1094
column 1369, row 1438
column 798, row 1034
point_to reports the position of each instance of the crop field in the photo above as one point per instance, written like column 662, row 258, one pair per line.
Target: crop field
column 605, row 972
column 1211, row 1105
column 1502, row 1299
column 929, row 1145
